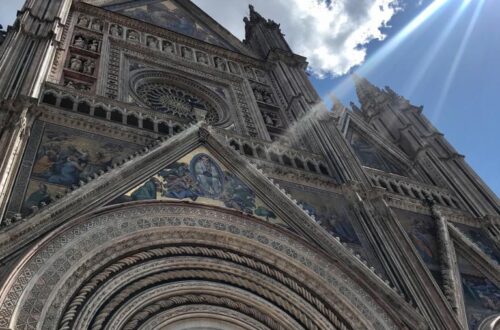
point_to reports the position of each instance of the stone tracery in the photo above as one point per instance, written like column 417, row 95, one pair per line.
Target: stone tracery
column 183, row 99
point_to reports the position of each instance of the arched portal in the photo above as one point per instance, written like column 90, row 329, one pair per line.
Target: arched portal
column 163, row 265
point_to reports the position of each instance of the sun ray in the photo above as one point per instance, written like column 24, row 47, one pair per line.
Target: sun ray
column 426, row 62
column 456, row 62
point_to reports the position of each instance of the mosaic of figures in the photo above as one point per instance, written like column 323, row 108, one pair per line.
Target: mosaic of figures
column 64, row 157
column 198, row 177
column 370, row 156
column 330, row 211
column 481, row 238
column 166, row 46
column 169, row 15
column 482, row 299
column 422, row 231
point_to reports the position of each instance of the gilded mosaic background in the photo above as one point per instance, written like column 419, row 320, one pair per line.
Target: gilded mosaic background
column 198, row 177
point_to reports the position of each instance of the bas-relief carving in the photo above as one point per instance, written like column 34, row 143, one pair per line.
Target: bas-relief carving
column 169, row 15
column 62, row 158
column 199, row 178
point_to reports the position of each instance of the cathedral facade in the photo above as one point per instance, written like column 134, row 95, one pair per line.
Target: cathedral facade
column 158, row 173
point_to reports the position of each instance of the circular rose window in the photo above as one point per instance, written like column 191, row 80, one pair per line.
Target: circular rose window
column 175, row 101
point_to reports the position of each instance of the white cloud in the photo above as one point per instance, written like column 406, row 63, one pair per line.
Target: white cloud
column 333, row 37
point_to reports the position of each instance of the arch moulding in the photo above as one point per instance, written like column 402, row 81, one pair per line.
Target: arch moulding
column 142, row 265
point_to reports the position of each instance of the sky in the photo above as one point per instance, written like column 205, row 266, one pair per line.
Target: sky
column 442, row 54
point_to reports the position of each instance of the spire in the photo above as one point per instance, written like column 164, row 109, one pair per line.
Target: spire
column 366, row 91
column 263, row 34
column 338, row 109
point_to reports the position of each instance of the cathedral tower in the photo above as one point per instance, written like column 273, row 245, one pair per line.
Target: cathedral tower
column 158, row 173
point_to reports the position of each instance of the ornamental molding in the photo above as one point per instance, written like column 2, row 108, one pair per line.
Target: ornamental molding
column 151, row 29
column 58, row 262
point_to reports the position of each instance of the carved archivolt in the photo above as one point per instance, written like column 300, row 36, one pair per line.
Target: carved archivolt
column 143, row 265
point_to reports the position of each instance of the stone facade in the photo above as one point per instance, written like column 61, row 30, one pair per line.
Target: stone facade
column 157, row 172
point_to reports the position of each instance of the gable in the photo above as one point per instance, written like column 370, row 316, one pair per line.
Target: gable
column 481, row 296
column 370, row 155
column 198, row 177
column 481, row 238
column 170, row 15
column 422, row 232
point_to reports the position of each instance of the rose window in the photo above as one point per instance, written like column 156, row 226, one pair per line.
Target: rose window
column 174, row 101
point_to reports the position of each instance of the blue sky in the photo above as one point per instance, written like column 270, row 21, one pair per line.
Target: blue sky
column 462, row 105
column 469, row 112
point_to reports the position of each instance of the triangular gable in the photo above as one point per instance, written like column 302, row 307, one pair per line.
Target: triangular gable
column 371, row 155
column 199, row 177
column 481, row 238
column 481, row 296
column 372, row 149
column 171, row 15
column 422, row 231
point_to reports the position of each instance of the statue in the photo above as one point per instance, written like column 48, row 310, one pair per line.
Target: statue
column 80, row 42
column 94, row 46
column 261, row 77
column 133, row 36
column 168, row 46
column 187, row 53
column 83, row 21
column 96, row 25
column 152, row 43
column 115, row 30
column 202, row 58
column 88, row 67
column 76, row 63
column 269, row 121
column 220, row 64
column 70, row 84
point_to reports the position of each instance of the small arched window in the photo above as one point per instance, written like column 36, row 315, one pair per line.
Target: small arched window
column 49, row 98
column 247, row 150
column 148, row 124
column 116, row 116
column 100, row 112
column 83, row 107
column 67, row 103
column 163, row 128
column 132, row 121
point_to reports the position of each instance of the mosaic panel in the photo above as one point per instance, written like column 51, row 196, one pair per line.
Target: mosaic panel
column 197, row 177
column 59, row 157
column 482, row 299
column 369, row 155
column 169, row 15
column 481, row 238
column 422, row 232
